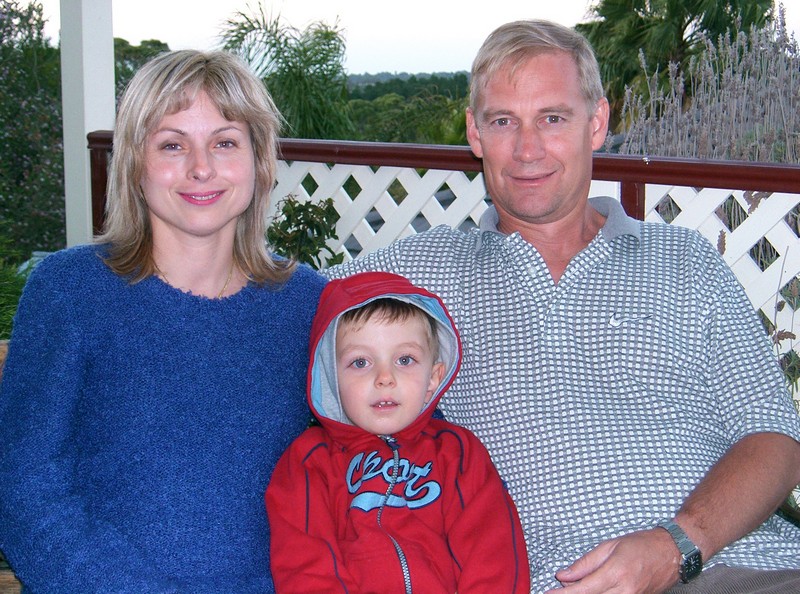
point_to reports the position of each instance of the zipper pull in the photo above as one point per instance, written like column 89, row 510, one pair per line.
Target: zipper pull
column 391, row 442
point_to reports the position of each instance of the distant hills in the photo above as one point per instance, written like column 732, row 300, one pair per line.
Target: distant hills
column 357, row 80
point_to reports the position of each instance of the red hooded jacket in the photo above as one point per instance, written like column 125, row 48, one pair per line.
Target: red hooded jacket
column 423, row 511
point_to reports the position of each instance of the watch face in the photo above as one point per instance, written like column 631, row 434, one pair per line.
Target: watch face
column 692, row 565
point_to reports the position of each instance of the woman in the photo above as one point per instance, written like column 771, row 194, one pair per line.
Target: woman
column 155, row 377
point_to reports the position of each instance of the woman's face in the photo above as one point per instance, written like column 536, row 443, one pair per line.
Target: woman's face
column 199, row 175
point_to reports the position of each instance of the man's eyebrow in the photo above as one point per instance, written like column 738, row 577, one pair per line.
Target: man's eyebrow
column 561, row 108
column 494, row 113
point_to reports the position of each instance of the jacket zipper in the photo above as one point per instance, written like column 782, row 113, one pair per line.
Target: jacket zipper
column 394, row 446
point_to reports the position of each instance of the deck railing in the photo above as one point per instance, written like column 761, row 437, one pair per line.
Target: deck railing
column 386, row 191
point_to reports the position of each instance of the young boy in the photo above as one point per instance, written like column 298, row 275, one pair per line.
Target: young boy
column 382, row 497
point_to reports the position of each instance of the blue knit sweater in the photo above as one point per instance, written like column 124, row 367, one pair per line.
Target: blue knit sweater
column 139, row 426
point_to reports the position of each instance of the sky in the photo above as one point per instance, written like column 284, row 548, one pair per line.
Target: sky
column 411, row 36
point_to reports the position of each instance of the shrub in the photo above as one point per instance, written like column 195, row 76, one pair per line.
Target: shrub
column 301, row 231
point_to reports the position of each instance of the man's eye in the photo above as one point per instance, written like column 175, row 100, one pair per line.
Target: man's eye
column 502, row 122
column 553, row 119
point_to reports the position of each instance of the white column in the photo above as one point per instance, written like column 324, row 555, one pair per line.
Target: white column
column 87, row 86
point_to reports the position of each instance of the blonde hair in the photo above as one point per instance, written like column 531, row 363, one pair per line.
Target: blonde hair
column 167, row 84
column 512, row 44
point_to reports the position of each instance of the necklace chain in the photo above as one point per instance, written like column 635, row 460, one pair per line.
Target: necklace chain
column 221, row 292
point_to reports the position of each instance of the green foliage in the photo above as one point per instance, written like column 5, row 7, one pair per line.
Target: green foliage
column 129, row 58
column 427, row 119
column 664, row 31
column 31, row 164
column 11, row 285
column 301, row 231
column 452, row 87
column 303, row 70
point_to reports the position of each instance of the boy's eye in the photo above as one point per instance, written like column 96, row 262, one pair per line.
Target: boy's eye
column 359, row 363
column 405, row 360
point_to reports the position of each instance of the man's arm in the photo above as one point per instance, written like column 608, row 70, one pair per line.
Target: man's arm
column 737, row 495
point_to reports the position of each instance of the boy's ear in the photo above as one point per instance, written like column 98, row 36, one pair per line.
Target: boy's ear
column 437, row 373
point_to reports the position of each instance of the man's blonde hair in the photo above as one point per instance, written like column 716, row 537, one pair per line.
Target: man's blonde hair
column 512, row 44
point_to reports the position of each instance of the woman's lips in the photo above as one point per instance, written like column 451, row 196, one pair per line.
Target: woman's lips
column 202, row 198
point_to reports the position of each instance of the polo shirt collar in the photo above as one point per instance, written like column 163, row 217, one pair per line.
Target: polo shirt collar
column 617, row 224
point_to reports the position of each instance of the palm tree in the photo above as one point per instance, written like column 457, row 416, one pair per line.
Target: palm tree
column 663, row 31
column 303, row 70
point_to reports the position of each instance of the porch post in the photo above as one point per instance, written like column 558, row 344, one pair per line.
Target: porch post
column 87, row 86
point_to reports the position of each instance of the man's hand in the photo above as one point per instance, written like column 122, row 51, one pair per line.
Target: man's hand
column 645, row 561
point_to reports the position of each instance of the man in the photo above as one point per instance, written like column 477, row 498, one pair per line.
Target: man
column 614, row 369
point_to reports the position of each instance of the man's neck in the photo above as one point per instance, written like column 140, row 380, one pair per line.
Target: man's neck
column 559, row 241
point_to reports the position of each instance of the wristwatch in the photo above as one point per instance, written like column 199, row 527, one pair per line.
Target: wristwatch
column 691, row 558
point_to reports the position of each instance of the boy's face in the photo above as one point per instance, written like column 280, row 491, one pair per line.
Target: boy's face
column 386, row 372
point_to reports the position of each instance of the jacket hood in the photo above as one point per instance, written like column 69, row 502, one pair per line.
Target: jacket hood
column 352, row 292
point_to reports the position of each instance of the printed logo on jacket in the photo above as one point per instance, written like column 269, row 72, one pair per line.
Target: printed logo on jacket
column 411, row 489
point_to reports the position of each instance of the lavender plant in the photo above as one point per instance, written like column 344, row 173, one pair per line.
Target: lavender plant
column 738, row 100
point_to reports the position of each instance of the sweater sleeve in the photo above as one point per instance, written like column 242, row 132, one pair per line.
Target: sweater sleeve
column 304, row 554
column 47, row 531
column 483, row 528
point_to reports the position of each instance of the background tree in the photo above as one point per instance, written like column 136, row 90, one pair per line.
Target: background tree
column 31, row 146
column 129, row 58
column 425, row 118
column 303, row 70
column 665, row 31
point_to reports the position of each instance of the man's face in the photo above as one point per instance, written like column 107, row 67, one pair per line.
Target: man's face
column 536, row 136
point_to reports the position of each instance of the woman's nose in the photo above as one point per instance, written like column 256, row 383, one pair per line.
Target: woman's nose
column 202, row 165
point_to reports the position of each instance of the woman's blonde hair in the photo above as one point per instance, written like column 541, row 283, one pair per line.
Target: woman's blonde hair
column 167, row 84
column 512, row 44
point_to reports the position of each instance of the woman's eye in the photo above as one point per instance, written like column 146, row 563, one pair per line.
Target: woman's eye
column 226, row 144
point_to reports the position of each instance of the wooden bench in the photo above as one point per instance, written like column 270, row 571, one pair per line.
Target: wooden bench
column 8, row 583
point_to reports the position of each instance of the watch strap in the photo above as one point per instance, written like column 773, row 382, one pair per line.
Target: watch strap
column 691, row 558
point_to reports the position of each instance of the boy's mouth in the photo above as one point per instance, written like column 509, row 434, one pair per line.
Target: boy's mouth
column 385, row 404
